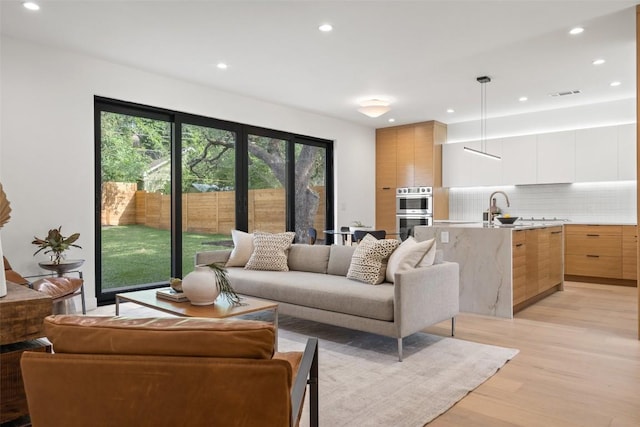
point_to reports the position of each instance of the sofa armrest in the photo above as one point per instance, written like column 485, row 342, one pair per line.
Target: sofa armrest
column 209, row 257
column 424, row 296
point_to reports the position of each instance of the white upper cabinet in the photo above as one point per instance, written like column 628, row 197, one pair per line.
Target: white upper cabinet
column 456, row 165
column 627, row 152
column 556, row 157
column 597, row 154
column 519, row 160
column 585, row 155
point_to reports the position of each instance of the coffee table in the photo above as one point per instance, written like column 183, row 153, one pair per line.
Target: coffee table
column 219, row 310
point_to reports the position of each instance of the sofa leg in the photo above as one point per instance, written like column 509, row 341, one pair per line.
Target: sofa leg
column 453, row 326
column 399, row 349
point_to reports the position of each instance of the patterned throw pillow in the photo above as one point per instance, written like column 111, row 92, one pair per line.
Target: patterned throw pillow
column 270, row 251
column 368, row 263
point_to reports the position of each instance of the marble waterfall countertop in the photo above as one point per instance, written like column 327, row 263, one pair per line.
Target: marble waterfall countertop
column 519, row 225
column 485, row 255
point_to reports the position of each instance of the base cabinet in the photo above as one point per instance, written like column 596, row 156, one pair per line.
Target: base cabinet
column 602, row 253
column 537, row 264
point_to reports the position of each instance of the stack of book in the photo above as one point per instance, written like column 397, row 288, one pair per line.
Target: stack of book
column 172, row 295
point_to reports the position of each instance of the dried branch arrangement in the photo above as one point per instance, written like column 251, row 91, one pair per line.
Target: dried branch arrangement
column 5, row 208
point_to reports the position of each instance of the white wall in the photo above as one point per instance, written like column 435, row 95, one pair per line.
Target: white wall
column 47, row 146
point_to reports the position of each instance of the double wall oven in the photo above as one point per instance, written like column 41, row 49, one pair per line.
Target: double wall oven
column 414, row 206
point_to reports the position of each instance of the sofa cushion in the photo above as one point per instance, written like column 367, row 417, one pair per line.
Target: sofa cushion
column 408, row 255
column 270, row 251
column 166, row 336
column 311, row 258
column 340, row 259
column 321, row 291
column 57, row 287
column 242, row 248
column 368, row 263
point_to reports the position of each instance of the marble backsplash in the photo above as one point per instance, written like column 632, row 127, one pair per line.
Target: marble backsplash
column 610, row 202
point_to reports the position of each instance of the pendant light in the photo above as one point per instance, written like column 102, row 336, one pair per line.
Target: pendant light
column 483, row 122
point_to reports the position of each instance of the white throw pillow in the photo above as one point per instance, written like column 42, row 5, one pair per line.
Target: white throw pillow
column 270, row 251
column 242, row 248
column 409, row 255
column 368, row 263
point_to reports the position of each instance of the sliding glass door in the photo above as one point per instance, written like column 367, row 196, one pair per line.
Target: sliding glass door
column 171, row 184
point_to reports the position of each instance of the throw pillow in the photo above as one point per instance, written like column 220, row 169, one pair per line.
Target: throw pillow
column 242, row 248
column 270, row 251
column 429, row 258
column 368, row 263
column 408, row 255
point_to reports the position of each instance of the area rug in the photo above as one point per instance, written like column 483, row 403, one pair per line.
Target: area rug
column 362, row 383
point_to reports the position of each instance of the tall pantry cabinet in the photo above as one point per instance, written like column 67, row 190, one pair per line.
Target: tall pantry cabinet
column 409, row 156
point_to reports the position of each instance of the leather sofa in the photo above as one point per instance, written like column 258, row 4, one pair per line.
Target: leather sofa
column 316, row 288
column 118, row 371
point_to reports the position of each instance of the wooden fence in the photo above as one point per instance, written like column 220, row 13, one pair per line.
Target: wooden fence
column 212, row 213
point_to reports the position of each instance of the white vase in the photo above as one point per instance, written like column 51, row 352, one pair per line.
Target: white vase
column 3, row 278
column 200, row 286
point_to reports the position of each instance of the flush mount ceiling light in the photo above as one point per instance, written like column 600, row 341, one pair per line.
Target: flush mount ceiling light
column 374, row 107
column 483, row 122
column 30, row 5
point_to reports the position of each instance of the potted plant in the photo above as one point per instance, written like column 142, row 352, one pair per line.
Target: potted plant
column 358, row 225
column 56, row 243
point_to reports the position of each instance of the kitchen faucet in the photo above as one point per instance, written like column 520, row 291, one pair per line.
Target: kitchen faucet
column 492, row 214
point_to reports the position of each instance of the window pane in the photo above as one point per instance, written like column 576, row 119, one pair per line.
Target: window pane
column 310, row 191
column 136, row 200
column 267, row 184
column 208, row 190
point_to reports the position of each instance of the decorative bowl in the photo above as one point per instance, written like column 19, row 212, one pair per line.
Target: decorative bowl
column 508, row 219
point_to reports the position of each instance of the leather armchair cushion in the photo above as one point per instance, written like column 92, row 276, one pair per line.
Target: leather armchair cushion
column 11, row 275
column 57, row 287
column 172, row 336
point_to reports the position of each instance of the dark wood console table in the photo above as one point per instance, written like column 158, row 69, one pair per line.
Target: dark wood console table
column 22, row 312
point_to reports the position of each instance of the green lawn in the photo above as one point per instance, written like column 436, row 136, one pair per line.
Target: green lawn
column 135, row 254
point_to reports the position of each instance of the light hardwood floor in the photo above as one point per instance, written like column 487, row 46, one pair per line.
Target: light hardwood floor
column 579, row 361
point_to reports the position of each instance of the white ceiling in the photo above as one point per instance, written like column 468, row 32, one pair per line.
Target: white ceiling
column 423, row 55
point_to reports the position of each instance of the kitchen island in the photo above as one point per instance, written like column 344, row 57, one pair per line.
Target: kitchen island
column 503, row 269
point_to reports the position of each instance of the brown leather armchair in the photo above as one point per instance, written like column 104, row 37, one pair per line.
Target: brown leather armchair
column 58, row 288
column 117, row 371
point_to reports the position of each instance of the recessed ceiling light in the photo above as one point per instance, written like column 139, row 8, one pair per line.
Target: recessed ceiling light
column 598, row 62
column 325, row 28
column 450, row 110
column 31, row 5
column 576, row 30
column 523, row 99
column 614, row 84
column 222, row 65
column 392, row 120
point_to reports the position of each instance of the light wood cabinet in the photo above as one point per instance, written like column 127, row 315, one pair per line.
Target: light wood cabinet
column 519, row 253
column 594, row 251
column 630, row 252
column 537, row 264
column 409, row 156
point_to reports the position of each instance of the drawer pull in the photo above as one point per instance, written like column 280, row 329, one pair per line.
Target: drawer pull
column 593, row 256
column 519, row 244
column 593, row 235
column 556, row 232
column 386, row 188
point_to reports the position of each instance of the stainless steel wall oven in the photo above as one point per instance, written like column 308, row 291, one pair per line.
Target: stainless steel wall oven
column 414, row 206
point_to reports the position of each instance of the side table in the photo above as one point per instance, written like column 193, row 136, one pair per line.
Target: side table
column 22, row 312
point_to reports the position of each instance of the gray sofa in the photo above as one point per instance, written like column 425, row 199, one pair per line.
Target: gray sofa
column 316, row 288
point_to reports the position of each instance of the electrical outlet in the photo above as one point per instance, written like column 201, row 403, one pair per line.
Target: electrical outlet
column 444, row 236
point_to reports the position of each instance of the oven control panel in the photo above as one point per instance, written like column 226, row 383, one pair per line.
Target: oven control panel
column 406, row 191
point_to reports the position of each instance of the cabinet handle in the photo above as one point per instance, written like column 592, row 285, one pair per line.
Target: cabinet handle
column 519, row 244
column 386, row 188
column 593, row 235
column 556, row 232
column 593, row 256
